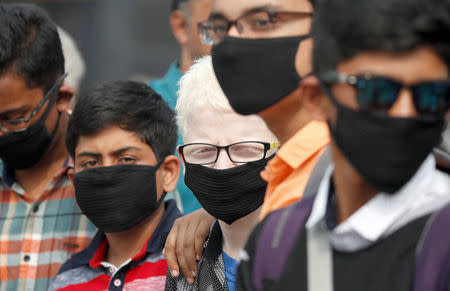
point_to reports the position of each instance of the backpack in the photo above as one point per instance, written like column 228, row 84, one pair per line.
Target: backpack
column 432, row 270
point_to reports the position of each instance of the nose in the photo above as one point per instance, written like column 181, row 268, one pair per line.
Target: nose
column 234, row 32
column 404, row 105
column 223, row 161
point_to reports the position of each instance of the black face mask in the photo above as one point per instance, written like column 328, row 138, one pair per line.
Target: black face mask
column 386, row 151
column 117, row 198
column 24, row 149
column 256, row 73
column 228, row 194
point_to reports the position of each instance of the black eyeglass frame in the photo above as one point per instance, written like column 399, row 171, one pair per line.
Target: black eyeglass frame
column 33, row 113
column 205, row 26
column 333, row 77
column 267, row 146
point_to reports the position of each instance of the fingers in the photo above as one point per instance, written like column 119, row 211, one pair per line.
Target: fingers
column 189, row 250
column 169, row 251
column 201, row 234
column 181, row 249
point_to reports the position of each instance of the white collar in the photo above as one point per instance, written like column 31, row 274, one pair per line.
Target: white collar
column 384, row 213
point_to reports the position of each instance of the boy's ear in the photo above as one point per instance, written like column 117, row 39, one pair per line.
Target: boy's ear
column 179, row 25
column 70, row 174
column 171, row 172
column 65, row 95
column 313, row 97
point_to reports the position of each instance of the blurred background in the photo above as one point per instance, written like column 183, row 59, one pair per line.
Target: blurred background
column 119, row 39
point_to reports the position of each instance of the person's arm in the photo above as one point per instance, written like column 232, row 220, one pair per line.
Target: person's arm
column 184, row 244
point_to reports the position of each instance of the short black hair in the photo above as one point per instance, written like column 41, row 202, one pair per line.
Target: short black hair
column 344, row 28
column 130, row 105
column 175, row 5
column 29, row 45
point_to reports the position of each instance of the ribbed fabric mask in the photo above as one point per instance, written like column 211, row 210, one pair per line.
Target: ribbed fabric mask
column 228, row 194
column 117, row 198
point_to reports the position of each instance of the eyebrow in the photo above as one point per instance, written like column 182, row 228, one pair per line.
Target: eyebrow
column 219, row 15
column 9, row 111
column 114, row 153
column 124, row 150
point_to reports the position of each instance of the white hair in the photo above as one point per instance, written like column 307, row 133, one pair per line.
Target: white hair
column 74, row 62
column 199, row 89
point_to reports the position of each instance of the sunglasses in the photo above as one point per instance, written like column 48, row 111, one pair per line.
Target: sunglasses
column 378, row 94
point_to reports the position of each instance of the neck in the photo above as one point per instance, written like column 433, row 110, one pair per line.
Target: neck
column 236, row 234
column 352, row 192
column 127, row 244
column 34, row 180
column 185, row 61
column 286, row 117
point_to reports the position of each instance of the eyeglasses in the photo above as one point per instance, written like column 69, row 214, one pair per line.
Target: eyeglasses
column 256, row 23
column 241, row 152
column 378, row 94
column 19, row 124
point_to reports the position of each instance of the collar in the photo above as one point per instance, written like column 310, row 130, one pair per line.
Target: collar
column 213, row 246
column 385, row 213
column 95, row 253
column 9, row 179
column 308, row 141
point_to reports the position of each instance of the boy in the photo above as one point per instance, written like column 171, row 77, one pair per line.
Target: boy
column 121, row 136
column 379, row 219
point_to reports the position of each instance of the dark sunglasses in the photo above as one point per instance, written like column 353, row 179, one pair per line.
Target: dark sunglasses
column 377, row 93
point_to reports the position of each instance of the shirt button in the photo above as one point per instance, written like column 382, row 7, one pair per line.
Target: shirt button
column 117, row 282
column 26, row 258
column 111, row 270
column 36, row 208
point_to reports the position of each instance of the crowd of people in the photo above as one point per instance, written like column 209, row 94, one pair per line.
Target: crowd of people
column 294, row 145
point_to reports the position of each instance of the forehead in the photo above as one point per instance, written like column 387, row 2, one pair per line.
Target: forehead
column 15, row 92
column 222, row 128
column 413, row 66
column 109, row 140
column 235, row 8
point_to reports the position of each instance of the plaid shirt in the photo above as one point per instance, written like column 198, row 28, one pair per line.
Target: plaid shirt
column 37, row 237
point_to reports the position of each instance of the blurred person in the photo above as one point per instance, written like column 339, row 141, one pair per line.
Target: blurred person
column 74, row 63
column 384, row 91
column 261, row 57
column 184, row 17
column 41, row 225
column 223, row 156
column 121, row 136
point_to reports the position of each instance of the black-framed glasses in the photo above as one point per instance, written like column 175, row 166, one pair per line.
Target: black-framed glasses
column 19, row 124
column 378, row 94
column 240, row 152
column 256, row 22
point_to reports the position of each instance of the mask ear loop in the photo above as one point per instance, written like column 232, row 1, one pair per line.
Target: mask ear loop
column 157, row 166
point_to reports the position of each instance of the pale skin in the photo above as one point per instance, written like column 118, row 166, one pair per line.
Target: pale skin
column 17, row 100
column 115, row 146
column 233, row 128
column 421, row 64
column 184, row 28
column 284, row 119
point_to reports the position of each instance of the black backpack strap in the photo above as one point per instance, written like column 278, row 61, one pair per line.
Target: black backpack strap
column 278, row 235
column 432, row 271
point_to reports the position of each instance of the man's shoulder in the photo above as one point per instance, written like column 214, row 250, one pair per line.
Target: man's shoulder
column 73, row 272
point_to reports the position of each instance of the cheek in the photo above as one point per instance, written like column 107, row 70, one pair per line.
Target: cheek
column 328, row 110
